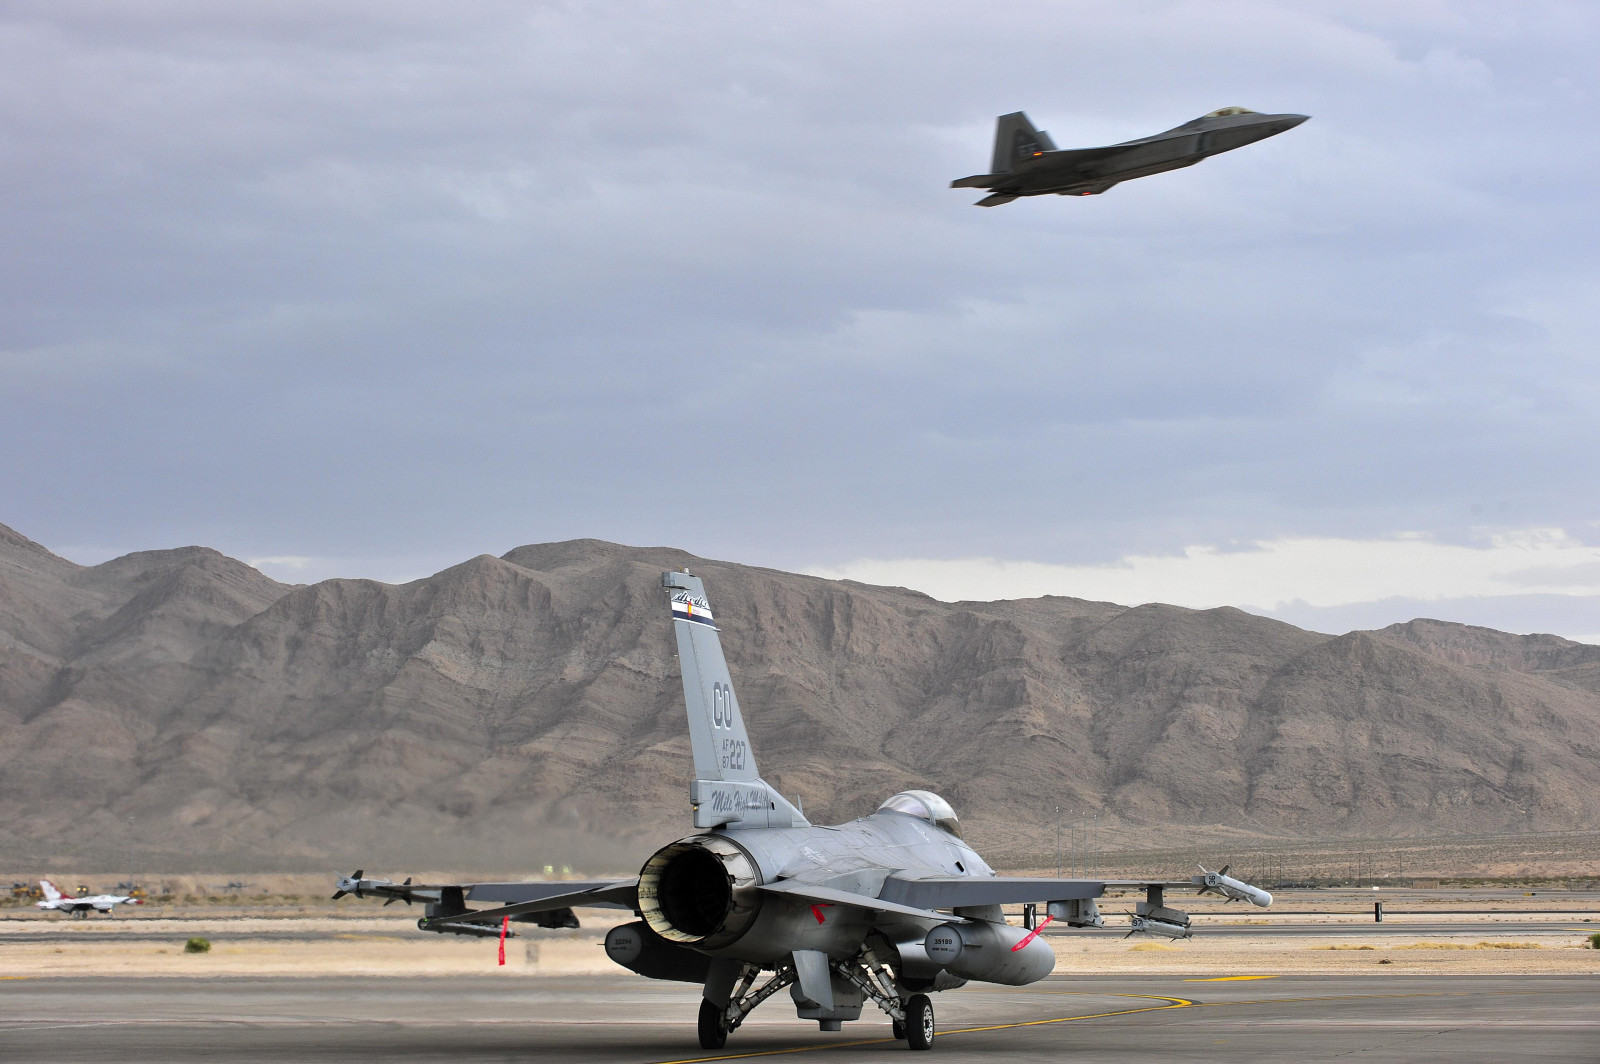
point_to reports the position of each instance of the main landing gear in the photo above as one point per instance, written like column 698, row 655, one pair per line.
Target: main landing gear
column 713, row 1030
column 919, row 1022
column 912, row 1015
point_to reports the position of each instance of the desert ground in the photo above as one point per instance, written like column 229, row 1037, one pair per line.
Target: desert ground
column 1476, row 931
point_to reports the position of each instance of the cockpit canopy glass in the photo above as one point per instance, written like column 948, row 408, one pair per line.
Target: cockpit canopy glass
column 1224, row 112
column 928, row 806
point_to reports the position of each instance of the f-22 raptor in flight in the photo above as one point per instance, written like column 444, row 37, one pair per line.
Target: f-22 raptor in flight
column 1028, row 163
column 887, row 908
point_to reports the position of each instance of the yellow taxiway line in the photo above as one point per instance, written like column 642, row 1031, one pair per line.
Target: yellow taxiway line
column 1230, row 979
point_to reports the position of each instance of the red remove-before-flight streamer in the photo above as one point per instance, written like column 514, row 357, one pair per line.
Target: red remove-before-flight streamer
column 1031, row 934
column 505, row 925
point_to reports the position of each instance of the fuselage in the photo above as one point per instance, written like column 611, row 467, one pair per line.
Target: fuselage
column 1089, row 171
column 103, row 903
column 1185, row 145
column 860, row 854
column 856, row 857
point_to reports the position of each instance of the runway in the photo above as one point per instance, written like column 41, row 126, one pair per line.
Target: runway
column 623, row 1018
column 1352, row 926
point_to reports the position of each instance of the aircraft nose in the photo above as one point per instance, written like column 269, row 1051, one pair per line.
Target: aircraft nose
column 1290, row 121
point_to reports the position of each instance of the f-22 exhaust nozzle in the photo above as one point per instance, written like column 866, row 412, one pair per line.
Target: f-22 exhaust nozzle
column 1230, row 888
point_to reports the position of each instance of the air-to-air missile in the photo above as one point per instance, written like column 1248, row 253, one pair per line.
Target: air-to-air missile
column 1028, row 163
column 1230, row 888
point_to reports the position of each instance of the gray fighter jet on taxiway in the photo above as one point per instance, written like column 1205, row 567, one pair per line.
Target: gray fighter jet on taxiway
column 1027, row 162
column 888, row 908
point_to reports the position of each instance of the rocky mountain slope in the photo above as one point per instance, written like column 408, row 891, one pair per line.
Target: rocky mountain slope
column 526, row 709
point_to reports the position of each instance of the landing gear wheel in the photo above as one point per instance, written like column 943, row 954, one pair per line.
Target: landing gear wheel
column 713, row 1035
column 899, row 1031
column 919, row 1022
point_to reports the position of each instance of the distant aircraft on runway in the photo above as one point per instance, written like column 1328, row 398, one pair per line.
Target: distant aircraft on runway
column 56, row 901
column 887, row 908
column 1027, row 163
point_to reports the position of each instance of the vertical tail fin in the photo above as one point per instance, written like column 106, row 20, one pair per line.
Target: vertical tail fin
column 728, row 789
column 1015, row 139
column 50, row 891
column 716, row 727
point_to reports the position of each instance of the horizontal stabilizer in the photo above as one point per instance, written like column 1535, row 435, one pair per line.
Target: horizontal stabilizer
column 995, row 200
column 979, row 181
column 828, row 896
column 949, row 892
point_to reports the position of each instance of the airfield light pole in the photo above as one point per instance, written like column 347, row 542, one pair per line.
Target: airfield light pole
column 1072, row 845
column 1058, row 842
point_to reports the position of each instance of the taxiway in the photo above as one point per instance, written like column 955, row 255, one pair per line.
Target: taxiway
column 1236, row 1020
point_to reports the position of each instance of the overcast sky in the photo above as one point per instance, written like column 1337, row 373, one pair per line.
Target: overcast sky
column 368, row 288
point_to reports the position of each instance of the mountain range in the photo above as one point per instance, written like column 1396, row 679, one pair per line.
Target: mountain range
column 180, row 706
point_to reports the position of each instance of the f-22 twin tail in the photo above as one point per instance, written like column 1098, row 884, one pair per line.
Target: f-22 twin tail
column 889, row 908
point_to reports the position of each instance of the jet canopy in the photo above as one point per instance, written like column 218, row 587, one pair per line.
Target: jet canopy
column 1224, row 112
column 928, row 806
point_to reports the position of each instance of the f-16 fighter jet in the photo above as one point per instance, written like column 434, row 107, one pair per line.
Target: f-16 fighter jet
column 889, row 908
column 1028, row 163
column 56, row 901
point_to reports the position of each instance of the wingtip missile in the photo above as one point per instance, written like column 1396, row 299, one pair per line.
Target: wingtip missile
column 349, row 885
column 1232, row 889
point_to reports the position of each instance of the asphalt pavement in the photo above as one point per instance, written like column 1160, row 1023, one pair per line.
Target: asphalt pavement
column 1373, row 1017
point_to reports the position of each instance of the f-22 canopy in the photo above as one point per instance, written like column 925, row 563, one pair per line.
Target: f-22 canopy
column 1027, row 162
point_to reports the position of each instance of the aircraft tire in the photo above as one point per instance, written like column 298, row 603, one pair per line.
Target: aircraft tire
column 919, row 1022
column 713, row 1035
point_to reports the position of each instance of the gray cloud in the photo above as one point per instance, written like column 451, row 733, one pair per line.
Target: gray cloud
column 392, row 281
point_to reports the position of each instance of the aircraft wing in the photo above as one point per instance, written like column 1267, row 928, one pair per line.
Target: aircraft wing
column 1068, row 159
column 606, row 893
column 828, row 896
column 949, row 892
column 527, row 897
